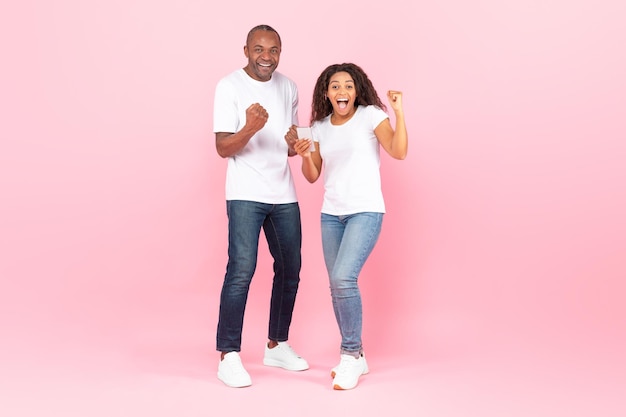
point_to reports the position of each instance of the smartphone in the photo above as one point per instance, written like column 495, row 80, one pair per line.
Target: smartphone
column 305, row 133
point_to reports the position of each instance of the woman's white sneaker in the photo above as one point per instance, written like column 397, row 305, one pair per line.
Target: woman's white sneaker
column 232, row 373
column 333, row 371
column 346, row 374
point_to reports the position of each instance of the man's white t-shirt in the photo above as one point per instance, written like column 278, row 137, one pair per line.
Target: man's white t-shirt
column 351, row 163
column 260, row 171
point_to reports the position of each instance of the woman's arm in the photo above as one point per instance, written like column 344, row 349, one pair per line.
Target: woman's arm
column 394, row 142
column 311, row 160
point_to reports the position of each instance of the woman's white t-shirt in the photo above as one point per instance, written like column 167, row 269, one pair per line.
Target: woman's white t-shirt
column 351, row 162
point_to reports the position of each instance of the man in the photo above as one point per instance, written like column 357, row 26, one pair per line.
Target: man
column 254, row 108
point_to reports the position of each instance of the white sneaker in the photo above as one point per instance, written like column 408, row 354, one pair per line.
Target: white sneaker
column 283, row 356
column 348, row 371
column 232, row 373
column 333, row 371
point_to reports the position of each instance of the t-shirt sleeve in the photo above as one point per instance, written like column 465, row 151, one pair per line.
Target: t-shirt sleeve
column 225, row 115
column 294, row 105
column 376, row 116
column 316, row 131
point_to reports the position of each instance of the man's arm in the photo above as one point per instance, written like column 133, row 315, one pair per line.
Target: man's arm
column 229, row 144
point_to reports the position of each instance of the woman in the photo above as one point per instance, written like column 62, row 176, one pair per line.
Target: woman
column 349, row 124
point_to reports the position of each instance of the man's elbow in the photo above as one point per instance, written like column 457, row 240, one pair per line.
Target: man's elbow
column 220, row 152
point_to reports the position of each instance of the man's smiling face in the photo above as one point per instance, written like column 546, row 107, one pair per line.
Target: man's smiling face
column 263, row 53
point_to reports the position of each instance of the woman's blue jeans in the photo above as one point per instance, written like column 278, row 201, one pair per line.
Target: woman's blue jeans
column 282, row 227
column 347, row 241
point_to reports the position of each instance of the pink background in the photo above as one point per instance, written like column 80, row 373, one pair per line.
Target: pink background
column 496, row 288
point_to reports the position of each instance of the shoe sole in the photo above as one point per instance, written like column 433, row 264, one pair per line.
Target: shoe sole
column 365, row 372
column 340, row 388
column 279, row 364
column 233, row 385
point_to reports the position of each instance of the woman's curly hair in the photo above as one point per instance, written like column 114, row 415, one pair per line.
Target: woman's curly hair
column 365, row 92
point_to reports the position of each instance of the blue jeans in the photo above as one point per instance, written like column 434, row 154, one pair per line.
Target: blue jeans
column 283, row 232
column 347, row 242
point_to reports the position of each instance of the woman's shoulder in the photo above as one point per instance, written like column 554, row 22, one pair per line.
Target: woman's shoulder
column 372, row 113
column 322, row 122
column 371, row 109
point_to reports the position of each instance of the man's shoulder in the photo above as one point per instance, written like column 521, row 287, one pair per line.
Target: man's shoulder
column 282, row 78
column 231, row 77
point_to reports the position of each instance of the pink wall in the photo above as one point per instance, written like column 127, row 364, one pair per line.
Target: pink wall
column 505, row 223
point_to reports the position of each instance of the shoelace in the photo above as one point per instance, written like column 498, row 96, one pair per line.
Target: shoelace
column 235, row 364
column 289, row 350
column 346, row 363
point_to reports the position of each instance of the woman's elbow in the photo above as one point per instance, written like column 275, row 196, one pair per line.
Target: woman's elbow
column 311, row 178
column 399, row 154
